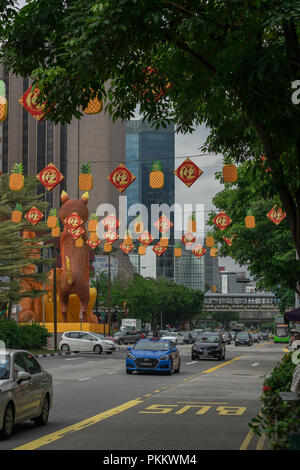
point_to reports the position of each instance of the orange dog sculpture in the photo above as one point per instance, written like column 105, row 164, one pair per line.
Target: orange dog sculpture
column 74, row 276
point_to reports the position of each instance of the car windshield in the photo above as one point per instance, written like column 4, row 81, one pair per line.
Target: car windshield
column 209, row 338
column 242, row 335
column 4, row 367
column 152, row 346
column 98, row 336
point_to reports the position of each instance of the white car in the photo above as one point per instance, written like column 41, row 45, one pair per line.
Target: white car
column 81, row 341
column 174, row 336
column 26, row 390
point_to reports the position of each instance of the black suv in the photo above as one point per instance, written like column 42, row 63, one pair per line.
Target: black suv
column 209, row 345
column 243, row 338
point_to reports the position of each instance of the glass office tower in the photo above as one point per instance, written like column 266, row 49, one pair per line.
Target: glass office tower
column 144, row 145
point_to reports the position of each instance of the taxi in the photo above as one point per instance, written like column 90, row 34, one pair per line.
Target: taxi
column 153, row 355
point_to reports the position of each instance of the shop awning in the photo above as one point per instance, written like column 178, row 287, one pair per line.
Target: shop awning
column 293, row 315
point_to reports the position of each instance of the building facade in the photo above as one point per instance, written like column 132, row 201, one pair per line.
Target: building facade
column 94, row 138
column 144, row 145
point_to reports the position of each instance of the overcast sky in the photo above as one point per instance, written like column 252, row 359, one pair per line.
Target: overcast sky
column 204, row 189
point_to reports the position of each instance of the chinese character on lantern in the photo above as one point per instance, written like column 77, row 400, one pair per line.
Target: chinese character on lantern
column 121, row 177
column 188, row 172
column 222, row 220
column 50, row 177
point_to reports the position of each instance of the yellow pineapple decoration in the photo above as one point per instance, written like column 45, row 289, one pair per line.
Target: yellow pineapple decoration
column 16, row 215
column 85, row 177
column 3, row 108
column 16, row 179
column 52, row 218
column 156, row 177
column 93, row 223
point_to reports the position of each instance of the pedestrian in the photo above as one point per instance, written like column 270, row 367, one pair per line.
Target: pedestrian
column 296, row 343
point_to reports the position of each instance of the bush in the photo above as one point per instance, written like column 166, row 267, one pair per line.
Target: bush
column 34, row 336
column 10, row 334
column 26, row 336
column 278, row 419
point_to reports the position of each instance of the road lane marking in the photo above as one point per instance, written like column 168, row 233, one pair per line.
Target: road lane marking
column 82, row 380
column 261, row 442
column 54, row 436
column 247, row 441
column 208, row 371
column 255, row 364
column 48, row 439
column 194, row 362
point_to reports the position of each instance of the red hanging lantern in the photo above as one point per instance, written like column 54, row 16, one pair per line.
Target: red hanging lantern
column 29, row 101
column 222, row 220
column 76, row 232
column 93, row 245
column 199, row 250
column 188, row 239
column 111, row 223
column 146, row 238
column 121, row 177
column 34, row 215
column 276, row 215
column 126, row 248
column 158, row 249
column 111, row 237
column 188, row 172
column 50, row 177
column 73, row 221
column 163, row 224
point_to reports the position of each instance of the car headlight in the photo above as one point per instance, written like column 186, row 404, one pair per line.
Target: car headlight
column 164, row 358
column 130, row 356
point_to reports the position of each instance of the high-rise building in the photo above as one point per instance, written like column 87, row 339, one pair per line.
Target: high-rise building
column 212, row 274
column 190, row 270
column 144, row 145
column 93, row 138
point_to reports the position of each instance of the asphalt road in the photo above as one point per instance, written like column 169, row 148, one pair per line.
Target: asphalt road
column 97, row 406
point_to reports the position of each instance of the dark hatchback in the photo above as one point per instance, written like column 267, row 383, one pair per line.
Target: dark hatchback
column 243, row 338
column 209, row 346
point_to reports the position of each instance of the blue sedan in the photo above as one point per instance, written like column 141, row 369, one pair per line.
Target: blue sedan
column 149, row 355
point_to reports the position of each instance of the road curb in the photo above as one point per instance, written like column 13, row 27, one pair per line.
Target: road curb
column 54, row 354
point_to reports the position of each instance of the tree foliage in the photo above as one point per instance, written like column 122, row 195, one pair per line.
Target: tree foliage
column 16, row 253
column 150, row 299
column 231, row 64
column 268, row 249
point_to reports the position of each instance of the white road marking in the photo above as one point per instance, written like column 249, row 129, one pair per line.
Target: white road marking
column 86, row 378
column 255, row 364
column 73, row 359
column 194, row 362
column 110, row 373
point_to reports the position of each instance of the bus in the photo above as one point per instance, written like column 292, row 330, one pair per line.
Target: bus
column 281, row 330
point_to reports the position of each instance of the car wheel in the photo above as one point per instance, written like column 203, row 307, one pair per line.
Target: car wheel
column 121, row 341
column 8, row 422
column 170, row 372
column 65, row 348
column 98, row 349
column 42, row 420
column 128, row 371
column 178, row 369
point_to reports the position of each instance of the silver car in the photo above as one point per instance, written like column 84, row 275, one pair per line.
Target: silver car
column 26, row 390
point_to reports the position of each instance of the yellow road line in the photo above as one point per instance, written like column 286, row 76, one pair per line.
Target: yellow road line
column 247, row 441
column 208, row 371
column 54, row 436
column 261, row 442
